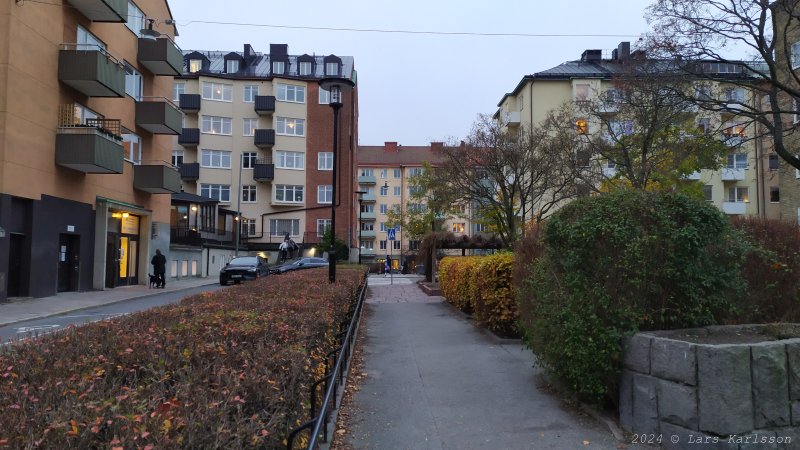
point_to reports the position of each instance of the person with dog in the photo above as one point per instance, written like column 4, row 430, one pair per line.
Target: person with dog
column 159, row 263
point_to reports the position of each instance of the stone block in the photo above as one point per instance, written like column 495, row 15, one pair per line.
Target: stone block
column 796, row 413
column 674, row 437
column 724, row 385
column 770, row 385
column 788, row 438
column 793, row 357
column 677, row 404
column 636, row 353
column 645, row 404
column 626, row 400
column 674, row 360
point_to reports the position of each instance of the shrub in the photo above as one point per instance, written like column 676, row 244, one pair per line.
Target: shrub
column 772, row 271
column 620, row 262
column 456, row 280
column 229, row 369
column 495, row 302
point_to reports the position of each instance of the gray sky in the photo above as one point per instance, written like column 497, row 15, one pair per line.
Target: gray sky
column 419, row 88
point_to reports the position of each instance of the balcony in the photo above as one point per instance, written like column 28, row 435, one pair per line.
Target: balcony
column 156, row 177
column 367, row 234
column 364, row 179
column 737, row 208
column 159, row 116
column 102, row 10
column 189, row 137
column 731, row 174
column 512, row 118
column 694, row 176
column 264, row 104
column 365, row 216
column 161, row 56
column 734, row 140
column 189, row 171
column 368, row 198
column 264, row 138
column 91, row 71
column 95, row 147
column 189, row 103
column 367, row 252
column 264, row 170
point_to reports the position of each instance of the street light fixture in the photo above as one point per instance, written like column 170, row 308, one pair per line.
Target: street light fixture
column 360, row 200
column 335, row 86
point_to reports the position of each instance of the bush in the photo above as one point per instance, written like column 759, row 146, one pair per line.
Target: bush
column 495, row 302
column 229, row 369
column 772, row 271
column 622, row 262
column 457, row 283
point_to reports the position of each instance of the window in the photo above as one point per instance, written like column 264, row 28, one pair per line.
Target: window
column 195, row 65
column 396, row 245
column 737, row 161
column 81, row 114
column 277, row 67
column 416, row 207
column 248, row 227
column 177, row 90
column 289, row 193
column 290, row 160
column 249, row 127
column 219, row 192
column 367, row 208
column 217, row 159
column 232, row 66
column 215, row 125
column 250, row 92
column 479, row 227
column 415, row 171
column 217, row 91
column 134, row 84
column 581, row 92
column 135, row 19
column 384, row 190
column 734, row 95
column 367, row 226
column 415, row 190
column 369, row 190
column 322, row 226
column 249, row 160
column 324, row 96
column 282, row 227
column 795, row 116
column 384, row 208
column 397, row 173
column 177, row 157
column 331, row 68
column 249, row 193
column 383, row 227
column 365, row 173
column 397, row 191
column 368, row 244
column 704, row 125
column 621, row 128
column 325, row 194
column 291, row 127
column 458, row 227
column 738, row 195
column 581, row 126
column 413, row 245
column 774, row 163
column 774, row 194
column 795, row 55
column 325, row 161
column 132, row 145
column 291, row 93
column 382, row 245
column 384, row 173
column 304, row 68
column 88, row 41
column 707, row 192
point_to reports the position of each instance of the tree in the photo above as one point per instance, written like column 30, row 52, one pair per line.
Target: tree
column 428, row 204
column 696, row 33
column 342, row 251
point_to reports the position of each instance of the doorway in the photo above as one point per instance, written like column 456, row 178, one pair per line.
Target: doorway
column 14, row 285
column 112, row 259
column 68, row 262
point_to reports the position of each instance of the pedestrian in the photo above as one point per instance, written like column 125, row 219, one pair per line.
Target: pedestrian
column 159, row 263
column 388, row 266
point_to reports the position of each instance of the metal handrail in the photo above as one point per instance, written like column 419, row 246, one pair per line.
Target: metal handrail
column 159, row 99
column 320, row 421
column 92, row 48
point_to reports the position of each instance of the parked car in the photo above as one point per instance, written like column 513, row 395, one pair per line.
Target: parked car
column 243, row 268
column 299, row 263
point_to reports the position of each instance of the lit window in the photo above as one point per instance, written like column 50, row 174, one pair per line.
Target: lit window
column 195, row 65
column 581, row 126
column 290, row 126
column 217, row 91
column 738, row 195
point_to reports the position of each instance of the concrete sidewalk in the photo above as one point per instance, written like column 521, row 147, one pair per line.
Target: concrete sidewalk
column 21, row 310
column 436, row 381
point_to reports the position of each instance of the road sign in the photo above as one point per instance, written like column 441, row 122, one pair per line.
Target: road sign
column 391, row 233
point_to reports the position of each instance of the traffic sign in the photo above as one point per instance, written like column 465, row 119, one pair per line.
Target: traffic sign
column 391, row 233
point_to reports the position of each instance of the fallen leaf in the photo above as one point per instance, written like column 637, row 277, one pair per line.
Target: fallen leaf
column 586, row 442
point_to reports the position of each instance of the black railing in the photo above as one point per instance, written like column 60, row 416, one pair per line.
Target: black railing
column 189, row 137
column 263, row 169
column 189, row 102
column 264, row 104
column 188, row 236
column 264, row 138
column 333, row 379
column 189, row 171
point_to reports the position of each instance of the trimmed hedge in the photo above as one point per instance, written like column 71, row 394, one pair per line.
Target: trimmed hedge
column 229, row 369
column 457, row 282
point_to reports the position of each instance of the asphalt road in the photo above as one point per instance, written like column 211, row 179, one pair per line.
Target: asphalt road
column 32, row 328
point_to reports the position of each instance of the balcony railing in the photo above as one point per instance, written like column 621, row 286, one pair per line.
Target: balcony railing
column 91, row 70
column 264, row 138
column 156, row 177
column 189, row 137
column 102, row 10
column 367, row 216
column 368, row 198
column 366, row 179
column 186, row 236
column 91, row 147
column 189, row 171
column 161, row 56
column 264, row 170
column 189, row 103
column 264, row 104
column 159, row 115
column 732, row 174
column 734, row 208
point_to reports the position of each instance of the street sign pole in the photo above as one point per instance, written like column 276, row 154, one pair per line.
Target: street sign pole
column 391, row 236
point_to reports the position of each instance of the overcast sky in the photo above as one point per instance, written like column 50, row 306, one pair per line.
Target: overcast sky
column 418, row 88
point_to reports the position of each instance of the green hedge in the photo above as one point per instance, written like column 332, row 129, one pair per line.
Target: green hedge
column 229, row 369
column 621, row 262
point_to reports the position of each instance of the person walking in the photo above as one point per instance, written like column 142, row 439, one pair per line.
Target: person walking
column 159, row 263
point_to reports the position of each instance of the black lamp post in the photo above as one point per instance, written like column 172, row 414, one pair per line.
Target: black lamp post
column 360, row 200
column 334, row 85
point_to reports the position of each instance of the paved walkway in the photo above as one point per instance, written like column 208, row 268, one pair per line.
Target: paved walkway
column 436, row 381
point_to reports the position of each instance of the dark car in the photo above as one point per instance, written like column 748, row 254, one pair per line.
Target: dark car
column 243, row 268
column 299, row 263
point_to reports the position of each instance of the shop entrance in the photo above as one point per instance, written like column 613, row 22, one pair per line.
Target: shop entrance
column 122, row 250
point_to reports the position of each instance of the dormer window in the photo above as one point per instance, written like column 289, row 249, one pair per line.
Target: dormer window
column 277, row 67
column 232, row 66
column 304, row 68
column 332, row 68
column 195, row 65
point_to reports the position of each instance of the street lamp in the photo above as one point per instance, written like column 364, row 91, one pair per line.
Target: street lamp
column 360, row 199
column 335, row 86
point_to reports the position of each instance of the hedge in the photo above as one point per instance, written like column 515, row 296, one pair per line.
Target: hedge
column 457, row 283
column 229, row 369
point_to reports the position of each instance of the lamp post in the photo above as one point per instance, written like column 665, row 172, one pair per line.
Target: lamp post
column 360, row 200
column 335, row 86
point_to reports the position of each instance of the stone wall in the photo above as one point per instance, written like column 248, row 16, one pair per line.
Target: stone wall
column 685, row 392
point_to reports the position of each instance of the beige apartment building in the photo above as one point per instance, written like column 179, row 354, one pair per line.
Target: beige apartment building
column 257, row 148
column 747, row 185
column 86, row 129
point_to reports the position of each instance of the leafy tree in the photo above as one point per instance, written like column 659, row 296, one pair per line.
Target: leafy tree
column 428, row 204
column 342, row 251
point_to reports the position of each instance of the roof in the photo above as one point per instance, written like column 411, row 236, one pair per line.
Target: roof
column 405, row 155
column 258, row 65
column 192, row 198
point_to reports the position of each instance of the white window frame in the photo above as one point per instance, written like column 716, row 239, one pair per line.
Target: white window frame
column 216, row 125
column 248, row 227
column 304, row 68
column 737, row 161
column 735, row 194
column 397, row 191
column 794, row 55
column 87, row 41
column 331, row 69
column 383, row 245
column 215, row 159
column 383, row 227
column 249, row 159
column 384, row 173
column 290, row 160
column 231, row 64
column 708, row 192
column 219, row 192
column 277, row 227
column 249, row 193
column 278, row 67
column 134, row 152
column 195, row 65
column 249, row 124
column 397, row 174
column 368, row 244
column 364, row 172
column 774, row 189
column 217, row 92
column 325, row 194
column 178, row 88
column 177, row 157
column 396, row 245
column 324, row 97
column 291, row 93
column 325, row 161
column 249, row 93
column 134, row 83
column 292, row 190
column 367, row 207
column 322, row 226
column 136, row 19
column 384, row 191
column 290, row 126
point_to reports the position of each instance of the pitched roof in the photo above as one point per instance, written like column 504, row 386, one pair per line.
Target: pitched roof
column 405, row 155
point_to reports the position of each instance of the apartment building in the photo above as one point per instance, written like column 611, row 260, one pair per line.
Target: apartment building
column 747, row 185
column 256, row 148
column 86, row 131
column 384, row 174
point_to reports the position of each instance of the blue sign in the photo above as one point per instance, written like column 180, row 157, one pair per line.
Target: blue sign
column 391, row 233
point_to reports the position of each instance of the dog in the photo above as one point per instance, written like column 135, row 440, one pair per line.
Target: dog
column 153, row 281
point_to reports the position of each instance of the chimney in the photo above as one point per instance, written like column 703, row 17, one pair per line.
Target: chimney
column 623, row 51
column 278, row 50
column 390, row 147
column 592, row 55
column 437, row 146
column 248, row 51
